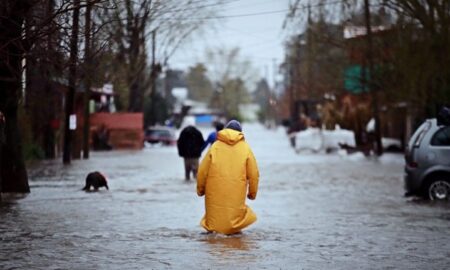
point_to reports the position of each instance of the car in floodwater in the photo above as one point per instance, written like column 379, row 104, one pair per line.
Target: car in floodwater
column 427, row 168
column 160, row 134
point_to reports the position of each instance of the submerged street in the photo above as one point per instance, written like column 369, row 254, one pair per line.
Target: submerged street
column 315, row 211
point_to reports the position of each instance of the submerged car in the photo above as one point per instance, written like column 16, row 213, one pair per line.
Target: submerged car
column 163, row 135
column 427, row 168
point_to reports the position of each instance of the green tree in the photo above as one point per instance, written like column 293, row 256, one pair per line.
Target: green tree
column 199, row 85
column 234, row 94
column 232, row 74
column 262, row 96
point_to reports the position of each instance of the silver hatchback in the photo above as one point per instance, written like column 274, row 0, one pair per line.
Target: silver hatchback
column 427, row 168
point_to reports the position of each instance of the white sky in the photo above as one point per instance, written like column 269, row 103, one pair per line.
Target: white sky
column 259, row 37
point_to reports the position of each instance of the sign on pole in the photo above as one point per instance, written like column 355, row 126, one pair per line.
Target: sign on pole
column 73, row 122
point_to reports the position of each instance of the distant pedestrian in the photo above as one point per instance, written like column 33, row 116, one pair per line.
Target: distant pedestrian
column 100, row 140
column 227, row 174
column 212, row 136
column 189, row 146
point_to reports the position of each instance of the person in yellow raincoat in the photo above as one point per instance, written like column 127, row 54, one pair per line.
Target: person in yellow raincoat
column 227, row 174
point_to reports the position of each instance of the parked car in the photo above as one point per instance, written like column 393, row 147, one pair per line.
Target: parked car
column 163, row 135
column 427, row 168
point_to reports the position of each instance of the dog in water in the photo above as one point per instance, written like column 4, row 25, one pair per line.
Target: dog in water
column 96, row 180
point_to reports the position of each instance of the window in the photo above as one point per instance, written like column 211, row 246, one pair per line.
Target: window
column 441, row 137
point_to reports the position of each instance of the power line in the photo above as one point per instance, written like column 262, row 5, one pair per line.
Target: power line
column 299, row 7
column 198, row 7
column 234, row 16
column 258, row 3
column 302, row 7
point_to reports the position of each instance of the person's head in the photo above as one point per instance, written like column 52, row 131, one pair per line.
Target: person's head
column 235, row 125
column 219, row 126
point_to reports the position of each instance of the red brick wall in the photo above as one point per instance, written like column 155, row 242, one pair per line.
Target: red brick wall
column 126, row 130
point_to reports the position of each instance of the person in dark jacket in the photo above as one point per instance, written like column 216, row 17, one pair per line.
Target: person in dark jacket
column 189, row 146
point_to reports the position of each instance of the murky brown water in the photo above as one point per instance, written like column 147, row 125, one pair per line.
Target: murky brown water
column 315, row 211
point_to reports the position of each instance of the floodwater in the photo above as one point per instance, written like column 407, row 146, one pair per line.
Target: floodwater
column 315, row 211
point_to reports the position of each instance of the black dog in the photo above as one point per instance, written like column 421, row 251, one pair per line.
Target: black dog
column 96, row 180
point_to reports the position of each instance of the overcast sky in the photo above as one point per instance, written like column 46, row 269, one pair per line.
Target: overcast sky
column 259, row 37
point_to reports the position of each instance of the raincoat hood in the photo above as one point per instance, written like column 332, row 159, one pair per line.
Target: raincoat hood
column 230, row 136
column 234, row 124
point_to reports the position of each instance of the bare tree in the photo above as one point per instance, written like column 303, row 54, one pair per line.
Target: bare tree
column 233, row 75
column 131, row 25
column 423, row 78
column 32, row 43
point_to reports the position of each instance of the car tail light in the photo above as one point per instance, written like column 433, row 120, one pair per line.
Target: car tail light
column 408, row 159
column 413, row 164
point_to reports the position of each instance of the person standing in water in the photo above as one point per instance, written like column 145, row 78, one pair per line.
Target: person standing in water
column 189, row 146
column 227, row 175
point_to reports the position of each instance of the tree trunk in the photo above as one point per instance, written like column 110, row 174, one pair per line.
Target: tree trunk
column 69, row 109
column 136, row 76
column 40, row 70
column 12, row 167
column 13, row 170
column 372, row 89
column 2, row 141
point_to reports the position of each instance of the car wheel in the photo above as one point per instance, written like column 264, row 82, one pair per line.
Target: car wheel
column 439, row 188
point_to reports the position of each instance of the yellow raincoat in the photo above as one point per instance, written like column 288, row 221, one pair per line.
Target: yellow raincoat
column 224, row 175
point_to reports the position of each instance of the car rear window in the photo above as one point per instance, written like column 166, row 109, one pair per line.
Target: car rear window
column 441, row 137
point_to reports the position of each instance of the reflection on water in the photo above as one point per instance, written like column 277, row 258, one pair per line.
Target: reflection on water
column 228, row 243
column 12, row 198
column 238, row 249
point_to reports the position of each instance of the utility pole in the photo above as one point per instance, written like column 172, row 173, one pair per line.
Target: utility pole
column 371, row 75
column 87, row 79
column 293, row 73
column 273, row 90
column 153, row 76
column 309, row 57
column 274, row 72
column 69, row 110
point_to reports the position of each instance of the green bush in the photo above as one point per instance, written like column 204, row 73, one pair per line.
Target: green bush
column 32, row 151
